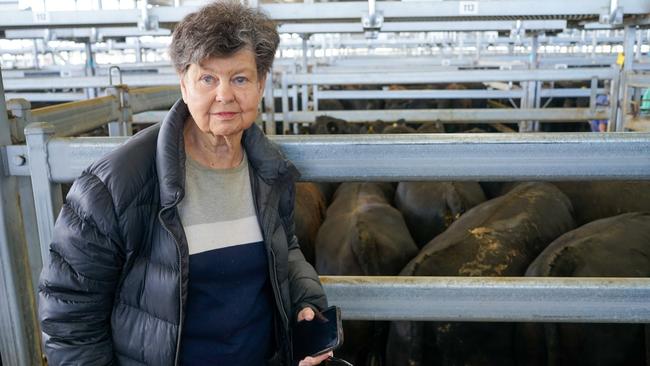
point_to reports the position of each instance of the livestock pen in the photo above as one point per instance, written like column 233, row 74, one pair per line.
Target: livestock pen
column 520, row 55
column 50, row 160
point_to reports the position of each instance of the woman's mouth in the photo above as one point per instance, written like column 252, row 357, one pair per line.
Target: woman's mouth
column 225, row 115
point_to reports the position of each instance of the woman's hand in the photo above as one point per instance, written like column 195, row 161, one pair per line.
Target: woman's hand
column 310, row 361
column 307, row 314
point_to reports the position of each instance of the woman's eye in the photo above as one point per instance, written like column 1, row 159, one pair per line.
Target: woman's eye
column 207, row 79
column 240, row 80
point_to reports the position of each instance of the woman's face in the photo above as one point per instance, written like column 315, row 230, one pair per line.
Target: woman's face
column 223, row 93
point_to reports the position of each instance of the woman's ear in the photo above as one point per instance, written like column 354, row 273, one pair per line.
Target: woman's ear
column 183, row 80
column 262, row 83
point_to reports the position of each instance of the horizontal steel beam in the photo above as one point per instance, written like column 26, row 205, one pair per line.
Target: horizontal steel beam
column 638, row 80
column 73, row 118
column 485, row 59
column 337, row 12
column 443, row 157
column 461, row 76
column 449, row 94
column 150, row 116
column 440, row 10
column 418, row 94
column 467, row 76
column 89, row 82
column 491, row 299
column 457, row 115
column 439, row 26
column 146, row 99
column 47, row 97
column 76, row 33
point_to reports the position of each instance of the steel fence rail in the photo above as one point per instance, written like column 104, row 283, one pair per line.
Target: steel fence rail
column 451, row 94
column 75, row 117
column 461, row 76
column 40, row 83
column 501, row 157
column 455, row 115
column 153, row 98
column 491, row 299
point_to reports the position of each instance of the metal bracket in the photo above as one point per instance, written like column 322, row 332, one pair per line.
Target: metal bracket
column 614, row 16
column 147, row 21
column 372, row 21
column 372, row 24
column 21, row 109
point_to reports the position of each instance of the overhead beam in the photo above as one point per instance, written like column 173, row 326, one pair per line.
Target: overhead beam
column 336, row 12
column 431, row 26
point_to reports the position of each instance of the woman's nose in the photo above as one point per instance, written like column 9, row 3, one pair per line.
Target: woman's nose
column 224, row 93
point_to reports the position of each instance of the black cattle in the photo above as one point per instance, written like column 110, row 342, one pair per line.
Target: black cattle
column 592, row 200
column 363, row 235
column 597, row 200
column 430, row 207
column 309, row 213
column 398, row 127
column 500, row 237
column 612, row 247
column 330, row 105
column 431, row 127
column 326, row 125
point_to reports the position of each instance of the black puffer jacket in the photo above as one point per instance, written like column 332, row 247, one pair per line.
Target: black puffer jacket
column 115, row 288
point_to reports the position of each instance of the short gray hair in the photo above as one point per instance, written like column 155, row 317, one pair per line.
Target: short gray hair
column 221, row 29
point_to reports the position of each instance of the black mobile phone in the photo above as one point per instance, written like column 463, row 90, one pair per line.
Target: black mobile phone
column 322, row 334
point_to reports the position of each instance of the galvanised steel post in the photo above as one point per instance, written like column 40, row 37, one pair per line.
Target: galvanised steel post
column 628, row 52
column 19, row 332
column 285, row 102
column 48, row 198
column 124, row 125
column 21, row 111
column 90, row 68
column 304, row 91
column 269, row 104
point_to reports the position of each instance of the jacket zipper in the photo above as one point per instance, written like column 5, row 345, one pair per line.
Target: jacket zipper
column 180, row 279
column 273, row 273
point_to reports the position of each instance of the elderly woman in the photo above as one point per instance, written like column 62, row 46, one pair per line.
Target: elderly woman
column 179, row 246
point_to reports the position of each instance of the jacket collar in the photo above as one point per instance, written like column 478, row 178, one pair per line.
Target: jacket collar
column 264, row 156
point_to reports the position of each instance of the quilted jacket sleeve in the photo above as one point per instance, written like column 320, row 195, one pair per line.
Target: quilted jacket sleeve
column 306, row 289
column 77, row 288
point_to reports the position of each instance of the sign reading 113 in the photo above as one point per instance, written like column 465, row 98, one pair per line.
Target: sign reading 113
column 468, row 8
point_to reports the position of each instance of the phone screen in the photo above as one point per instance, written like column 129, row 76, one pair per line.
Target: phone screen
column 315, row 337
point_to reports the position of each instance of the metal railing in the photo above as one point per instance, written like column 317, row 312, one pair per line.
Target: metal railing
column 305, row 86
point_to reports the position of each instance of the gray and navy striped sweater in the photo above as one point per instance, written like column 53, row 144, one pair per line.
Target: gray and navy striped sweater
column 229, row 304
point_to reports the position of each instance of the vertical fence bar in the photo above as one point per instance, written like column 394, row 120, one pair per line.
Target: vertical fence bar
column 304, row 90
column 21, row 110
column 47, row 195
column 285, row 103
column 628, row 52
column 124, row 125
column 19, row 332
column 269, row 104
column 614, row 101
